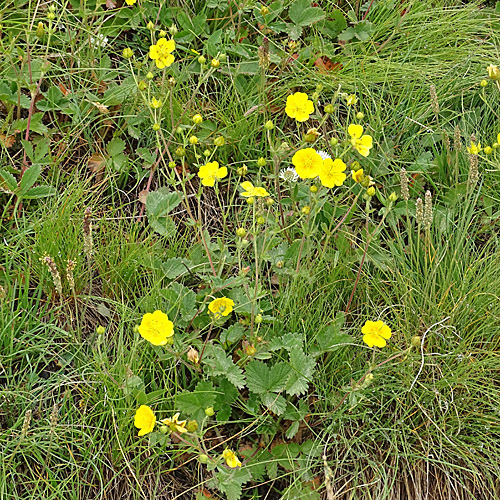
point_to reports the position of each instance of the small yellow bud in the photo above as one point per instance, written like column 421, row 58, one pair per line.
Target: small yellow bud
column 269, row 125
column 178, row 130
column 192, row 426
column 51, row 16
column 156, row 103
column 250, row 349
column 223, row 58
column 360, row 115
column 312, row 135
column 180, row 151
column 219, row 141
column 242, row 171
column 215, row 63
column 280, row 264
column 329, row 109
column 150, row 26
column 128, row 53
column 488, row 150
column 393, row 197
column 170, row 340
column 203, row 459
column 207, row 153
column 355, row 166
column 261, row 220
column 142, row 85
column 261, row 162
column 156, row 127
column 370, row 191
column 484, row 83
column 258, row 319
column 269, row 202
column 100, row 330
column 164, row 429
column 150, row 75
column 197, row 119
column 52, row 8
column 264, row 10
column 162, row 34
column 496, row 145
column 202, row 60
column 136, row 328
column 306, row 210
column 171, row 164
column 241, row 232
column 193, row 140
column 313, row 189
column 251, row 200
column 334, row 141
column 40, row 30
column 209, row 412
column 493, row 72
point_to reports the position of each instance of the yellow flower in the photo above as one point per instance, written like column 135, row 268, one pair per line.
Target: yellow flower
column 376, row 333
column 493, row 72
column 357, row 176
column 351, row 99
column 361, row 143
column 231, row 459
column 174, row 424
column 162, row 53
column 156, row 328
column 156, row 103
column 211, row 172
column 308, row 163
column 299, row 106
column 130, row 2
column 251, row 190
column 144, row 420
column 332, row 172
column 221, row 307
column 474, row 148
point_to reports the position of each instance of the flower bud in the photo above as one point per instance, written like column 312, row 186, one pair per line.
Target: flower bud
column 484, row 83
column 156, row 103
column 496, row 145
column 334, row 141
column 370, row 191
column 150, row 26
column 128, row 53
column 142, row 85
column 209, row 412
column 251, row 200
column 207, row 153
column 269, row 201
column 488, row 150
column 219, row 141
column 193, row 140
column 258, row 319
column 197, row 119
column 223, row 58
column 171, row 81
column 264, row 10
column 313, row 189
column 100, row 330
column 173, row 30
column 280, row 264
column 149, row 75
column 269, row 125
column 170, row 341
column 311, row 136
column 250, row 350
column 40, row 30
column 202, row 60
column 203, row 459
column 192, row 426
column 306, row 210
column 193, row 356
column 416, row 341
column 156, row 127
column 136, row 328
column 315, row 96
column 242, row 171
column 180, row 151
column 393, row 197
column 329, row 109
column 261, row 162
column 493, row 72
column 51, row 16
column 162, row 34
column 171, row 164
column 360, row 115
column 215, row 63
column 261, row 220
column 355, row 166
column 52, row 8
column 178, row 130
column 241, row 232
column 164, row 429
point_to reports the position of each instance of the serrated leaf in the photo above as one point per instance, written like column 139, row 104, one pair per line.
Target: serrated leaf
column 173, row 268
column 274, row 402
column 28, row 147
column 29, row 178
column 231, row 481
column 226, row 396
column 115, row 147
column 302, row 369
column 257, row 374
column 193, row 404
column 278, row 376
column 302, row 14
column 40, row 192
column 161, row 202
column 292, row 430
column 164, row 226
column 9, row 179
column 181, row 301
column 287, row 341
column 232, row 334
column 220, row 364
column 36, row 124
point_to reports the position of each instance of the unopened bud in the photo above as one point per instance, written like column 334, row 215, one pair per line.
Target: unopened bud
column 162, row 34
column 219, row 141
column 416, row 341
column 311, row 135
column 306, row 210
column 241, row 232
column 393, row 197
column 171, row 164
column 250, row 350
column 203, row 459
column 264, row 10
column 180, row 151
column 258, row 319
column 242, row 171
column 360, row 115
column 334, row 141
column 192, row 426
column 484, row 83
column 51, row 16
column 261, row 220
column 156, row 127
column 40, row 30
column 215, row 63
column 202, row 60
column 128, row 53
column 193, row 140
column 209, row 412
column 150, row 26
column 251, row 200
column 269, row 202
column 370, row 191
column 313, row 189
column 269, row 125
column 100, row 330
column 193, row 356
column 149, row 75
column 329, row 109
column 173, row 30
column 197, row 119
column 261, row 162
column 142, row 85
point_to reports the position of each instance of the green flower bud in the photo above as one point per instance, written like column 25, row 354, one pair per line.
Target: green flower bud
column 178, row 130
column 215, row 63
column 261, row 162
column 209, row 412
column 52, row 8
column 241, row 232
column 269, row 125
column 197, row 119
column 261, row 220
column 207, row 153
column 219, row 141
column 223, row 58
column 100, row 330
column 180, row 151
column 40, row 30
column 162, row 34
column 313, row 189
column 51, row 16
column 360, row 115
column 171, row 164
column 202, row 60
column 192, row 426
column 334, row 141
column 416, row 341
column 128, row 53
column 264, row 10
column 393, row 197
column 250, row 350
column 484, row 83
column 173, row 30
column 496, row 145
column 280, row 264
column 150, row 75
column 156, row 127
column 203, row 459
column 142, row 85
column 355, row 166
column 164, row 429
column 251, row 200
column 150, row 26
column 193, row 140
column 269, row 202
column 370, row 191
column 258, row 319
column 488, row 150
column 329, row 109
column 242, row 171
column 306, row 210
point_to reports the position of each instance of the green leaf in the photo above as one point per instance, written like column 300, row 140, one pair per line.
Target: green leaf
column 28, row 147
column 287, row 341
column 292, row 430
column 261, row 379
column 164, row 226
column 40, row 192
column 274, row 402
column 193, row 404
column 220, row 364
column 233, row 334
column 173, row 268
column 29, row 178
column 302, row 372
column 226, row 396
column 302, row 14
column 231, row 481
column 161, row 202
column 334, row 25
column 181, row 301
column 9, row 179
column 278, row 376
column 115, row 147
column 36, row 124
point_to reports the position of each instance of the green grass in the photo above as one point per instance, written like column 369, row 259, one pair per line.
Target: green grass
column 426, row 426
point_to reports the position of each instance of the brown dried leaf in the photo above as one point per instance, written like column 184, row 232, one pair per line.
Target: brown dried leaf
column 110, row 4
column 7, row 140
column 96, row 165
column 143, row 195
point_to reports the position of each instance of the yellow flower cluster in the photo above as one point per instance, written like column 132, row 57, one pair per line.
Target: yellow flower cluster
column 309, row 164
column 252, row 191
column 161, row 53
column 174, row 424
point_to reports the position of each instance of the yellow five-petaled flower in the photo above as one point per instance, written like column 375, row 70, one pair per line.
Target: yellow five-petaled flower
column 211, row 172
column 174, row 424
column 375, row 333
column 361, row 143
column 162, row 53
column 231, row 459
column 332, row 172
column 299, row 106
column 156, row 328
column 221, row 307
column 251, row 190
column 474, row 148
column 144, row 420
column 307, row 163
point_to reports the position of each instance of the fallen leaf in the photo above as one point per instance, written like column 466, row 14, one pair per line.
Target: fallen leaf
column 110, row 4
column 96, row 165
column 324, row 65
column 7, row 140
column 101, row 107
column 143, row 195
